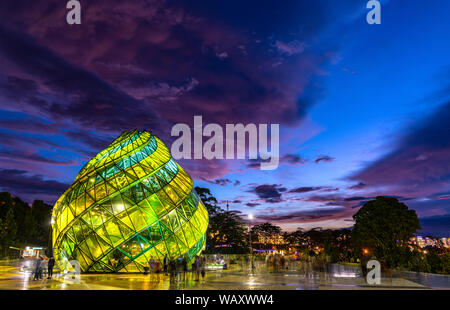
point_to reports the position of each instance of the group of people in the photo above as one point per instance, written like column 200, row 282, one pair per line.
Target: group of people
column 275, row 262
column 170, row 266
column 39, row 267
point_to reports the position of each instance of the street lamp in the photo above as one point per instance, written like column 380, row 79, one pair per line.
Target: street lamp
column 49, row 245
column 250, row 217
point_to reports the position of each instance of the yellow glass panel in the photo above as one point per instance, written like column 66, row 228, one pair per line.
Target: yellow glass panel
column 64, row 218
column 114, row 232
column 80, row 204
column 89, row 201
column 121, row 180
column 161, row 247
column 139, row 171
column 156, row 205
column 142, row 259
column 151, row 254
column 94, row 247
column 137, row 218
column 189, row 235
column 100, row 191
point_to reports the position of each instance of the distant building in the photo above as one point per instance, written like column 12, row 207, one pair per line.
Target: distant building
column 29, row 251
column 275, row 239
column 430, row 241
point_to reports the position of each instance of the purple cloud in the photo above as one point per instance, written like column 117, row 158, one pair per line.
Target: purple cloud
column 30, row 186
column 324, row 159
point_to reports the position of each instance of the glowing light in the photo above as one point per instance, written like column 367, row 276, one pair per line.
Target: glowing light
column 107, row 202
column 250, row 216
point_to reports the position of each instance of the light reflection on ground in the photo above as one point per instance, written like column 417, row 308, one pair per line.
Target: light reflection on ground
column 297, row 276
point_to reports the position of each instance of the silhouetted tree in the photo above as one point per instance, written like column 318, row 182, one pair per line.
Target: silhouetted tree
column 227, row 230
column 266, row 229
column 208, row 200
column 9, row 231
column 21, row 224
column 382, row 226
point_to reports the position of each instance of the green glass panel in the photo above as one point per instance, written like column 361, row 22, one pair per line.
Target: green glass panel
column 77, row 232
column 138, row 218
column 83, row 248
column 87, row 219
column 165, row 230
column 134, row 246
column 145, row 234
column 147, row 213
column 114, row 232
column 125, row 219
column 174, row 223
column 103, row 234
column 172, row 247
column 144, row 243
column 156, row 205
column 94, row 247
column 155, row 233
column 124, row 229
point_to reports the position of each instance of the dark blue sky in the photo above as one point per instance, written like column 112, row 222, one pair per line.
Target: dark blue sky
column 363, row 109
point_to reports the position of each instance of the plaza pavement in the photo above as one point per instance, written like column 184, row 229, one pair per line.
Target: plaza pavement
column 338, row 278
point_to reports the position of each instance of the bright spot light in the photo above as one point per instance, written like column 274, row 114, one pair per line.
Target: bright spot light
column 250, row 216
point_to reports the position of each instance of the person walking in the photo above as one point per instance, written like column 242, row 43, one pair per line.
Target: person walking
column 166, row 263
column 173, row 270
column 152, row 265
column 198, row 265
column 38, row 269
column 184, row 263
column 194, row 265
column 152, row 268
column 50, row 265
column 282, row 262
column 202, row 266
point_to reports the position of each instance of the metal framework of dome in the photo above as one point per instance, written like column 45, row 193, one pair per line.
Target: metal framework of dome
column 129, row 204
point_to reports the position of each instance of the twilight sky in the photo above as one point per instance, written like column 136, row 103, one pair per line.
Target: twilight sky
column 363, row 109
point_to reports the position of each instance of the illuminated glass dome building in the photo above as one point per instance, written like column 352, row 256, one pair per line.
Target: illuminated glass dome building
column 130, row 203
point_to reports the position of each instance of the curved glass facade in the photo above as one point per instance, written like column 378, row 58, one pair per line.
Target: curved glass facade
column 130, row 203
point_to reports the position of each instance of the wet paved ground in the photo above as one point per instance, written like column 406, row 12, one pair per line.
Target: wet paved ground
column 298, row 277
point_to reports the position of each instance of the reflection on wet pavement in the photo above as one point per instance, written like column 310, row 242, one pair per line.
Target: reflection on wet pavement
column 297, row 276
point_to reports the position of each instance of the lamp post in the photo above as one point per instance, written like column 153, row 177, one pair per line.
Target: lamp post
column 50, row 248
column 250, row 218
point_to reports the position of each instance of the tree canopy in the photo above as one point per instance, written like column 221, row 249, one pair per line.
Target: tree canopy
column 382, row 226
column 22, row 224
column 266, row 229
column 227, row 230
